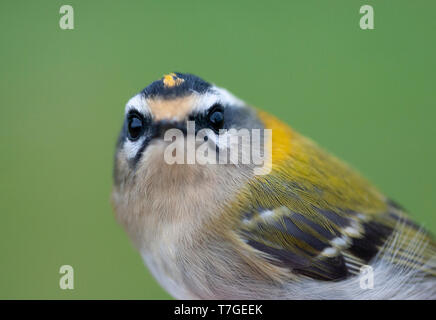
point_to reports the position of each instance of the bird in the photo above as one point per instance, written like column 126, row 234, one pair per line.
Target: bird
column 308, row 227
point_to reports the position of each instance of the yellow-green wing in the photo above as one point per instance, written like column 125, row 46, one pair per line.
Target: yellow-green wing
column 319, row 218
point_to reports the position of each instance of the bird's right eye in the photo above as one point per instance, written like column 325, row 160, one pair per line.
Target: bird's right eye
column 135, row 126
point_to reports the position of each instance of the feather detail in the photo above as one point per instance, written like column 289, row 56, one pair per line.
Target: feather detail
column 320, row 219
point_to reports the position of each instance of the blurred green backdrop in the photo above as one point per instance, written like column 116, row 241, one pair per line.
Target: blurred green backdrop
column 367, row 96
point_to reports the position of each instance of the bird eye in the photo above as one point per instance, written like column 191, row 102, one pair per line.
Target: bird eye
column 216, row 117
column 135, row 126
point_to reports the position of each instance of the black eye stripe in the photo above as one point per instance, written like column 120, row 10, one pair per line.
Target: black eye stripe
column 216, row 107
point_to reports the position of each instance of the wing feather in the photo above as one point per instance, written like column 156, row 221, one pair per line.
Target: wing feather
column 320, row 219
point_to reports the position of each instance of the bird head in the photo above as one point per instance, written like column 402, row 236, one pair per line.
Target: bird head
column 160, row 121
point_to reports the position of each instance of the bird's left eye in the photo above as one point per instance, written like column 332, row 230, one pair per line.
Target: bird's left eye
column 216, row 117
column 135, row 126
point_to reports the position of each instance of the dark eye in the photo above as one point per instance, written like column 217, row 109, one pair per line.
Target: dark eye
column 135, row 125
column 216, row 117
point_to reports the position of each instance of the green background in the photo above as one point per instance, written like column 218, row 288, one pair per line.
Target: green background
column 367, row 96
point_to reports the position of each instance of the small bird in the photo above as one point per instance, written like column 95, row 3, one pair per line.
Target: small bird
column 310, row 227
